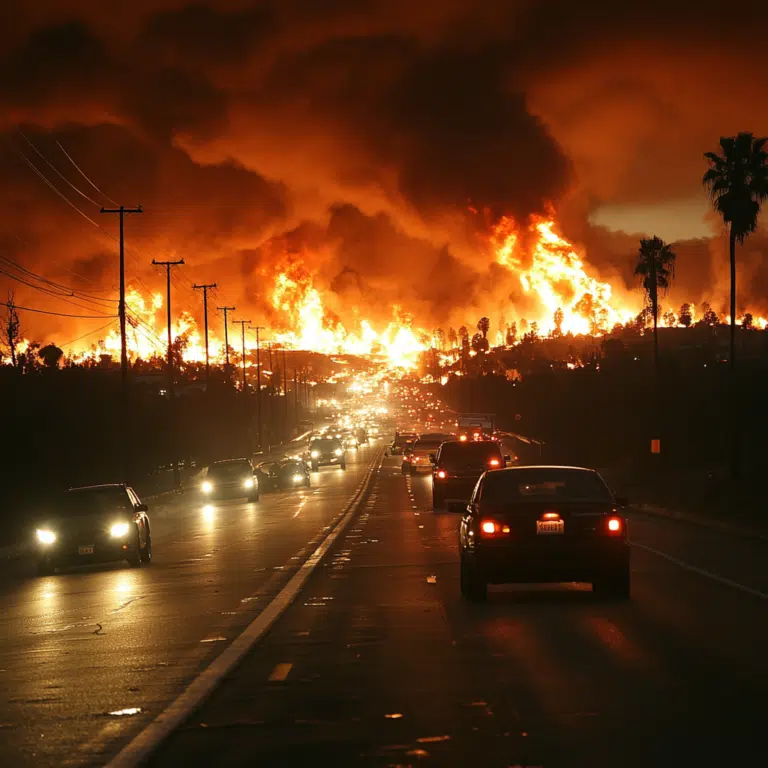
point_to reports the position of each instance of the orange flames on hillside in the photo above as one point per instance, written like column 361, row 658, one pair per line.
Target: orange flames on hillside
column 562, row 297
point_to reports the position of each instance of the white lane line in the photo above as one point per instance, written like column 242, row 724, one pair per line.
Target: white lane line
column 280, row 672
column 141, row 747
column 702, row 572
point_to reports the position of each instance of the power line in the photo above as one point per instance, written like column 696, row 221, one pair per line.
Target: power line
column 86, row 335
column 57, row 314
column 82, row 173
column 56, row 170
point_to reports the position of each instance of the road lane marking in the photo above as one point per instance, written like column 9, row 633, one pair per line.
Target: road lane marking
column 280, row 672
column 144, row 744
column 702, row 572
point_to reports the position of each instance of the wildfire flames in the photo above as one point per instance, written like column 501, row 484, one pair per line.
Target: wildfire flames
column 566, row 299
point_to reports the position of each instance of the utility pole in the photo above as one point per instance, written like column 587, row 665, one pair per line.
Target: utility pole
column 258, row 328
column 226, row 335
column 285, row 397
column 204, row 289
column 246, row 420
column 171, row 382
column 123, row 437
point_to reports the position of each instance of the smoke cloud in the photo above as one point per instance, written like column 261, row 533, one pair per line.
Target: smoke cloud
column 373, row 140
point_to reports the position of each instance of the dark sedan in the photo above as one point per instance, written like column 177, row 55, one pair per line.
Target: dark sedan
column 544, row 524
column 232, row 479
column 96, row 524
column 283, row 474
column 457, row 468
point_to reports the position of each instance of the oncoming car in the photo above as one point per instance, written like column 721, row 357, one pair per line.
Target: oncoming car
column 327, row 450
column 232, row 479
column 94, row 524
column 544, row 524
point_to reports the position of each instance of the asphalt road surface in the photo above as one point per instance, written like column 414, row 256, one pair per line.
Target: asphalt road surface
column 380, row 662
column 89, row 656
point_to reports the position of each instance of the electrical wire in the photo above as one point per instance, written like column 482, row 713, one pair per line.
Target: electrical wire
column 82, row 173
column 11, row 305
column 86, row 335
column 56, row 170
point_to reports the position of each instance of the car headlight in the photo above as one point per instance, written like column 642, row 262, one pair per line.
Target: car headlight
column 315, row 454
column 207, row 486
column 248, row 482
column 298, row 479
column 44, row 536
column 338, row 451
column 118, row 530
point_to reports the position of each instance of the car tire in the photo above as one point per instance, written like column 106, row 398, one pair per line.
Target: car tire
column 45, row 567
column 253, row 497
column 307, row 482
column 134, row 556
column 473, row 587
column 616, row 586
column 343, row 465
column 146, row 553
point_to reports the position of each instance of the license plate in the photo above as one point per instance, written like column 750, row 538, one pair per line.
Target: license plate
column 550, row 526
column 86, row 549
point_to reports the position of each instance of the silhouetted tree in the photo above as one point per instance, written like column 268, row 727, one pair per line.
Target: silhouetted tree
column 748, row 322
column 708, row 315
column 686, row 316
column 51, row 355
column 463, row 333
column 483, row 325
column 656, row 266
column 11, row 329
column 534, row 332
column 670, row 318
column 440, row 338
column 452, row 338
column 479, row 344
column 558, row 319
column 737, row 182
column 511, row 333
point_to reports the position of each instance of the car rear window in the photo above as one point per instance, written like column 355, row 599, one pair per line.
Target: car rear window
column 85, row 501
column 470, row 453
column 544, row 484
column 324, row 444
column 427, row 446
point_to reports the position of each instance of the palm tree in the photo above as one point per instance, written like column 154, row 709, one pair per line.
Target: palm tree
column 656, row 265
column 483, row 324
column 737, row 182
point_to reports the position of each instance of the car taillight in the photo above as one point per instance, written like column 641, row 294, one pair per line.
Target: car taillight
column 615, row 525
column 489, row 528
column 442, row 474
column 463, row 438
column 494, row 462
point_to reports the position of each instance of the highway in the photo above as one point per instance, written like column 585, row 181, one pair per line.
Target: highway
column 379, row 662
column 77, row 646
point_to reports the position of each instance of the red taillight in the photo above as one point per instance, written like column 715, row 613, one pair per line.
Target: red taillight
column 551, row 516
column 441, row 474
column 494, row 462
column 615, row 524
column 492, row 528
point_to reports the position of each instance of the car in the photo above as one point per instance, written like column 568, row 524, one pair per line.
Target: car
column 419, row 457
column 292, row 473
column 538, row 524
column 267, row 474
column 93, row 524
column 457, row 468
column 327, row 450
column 362, row 436
column 402, row 441
column 232, row 479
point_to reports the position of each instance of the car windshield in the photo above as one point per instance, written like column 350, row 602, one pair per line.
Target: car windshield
column 469, row 453
column 324, row 445
column 229, row 469
column 89, row 501
column 548, row 484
